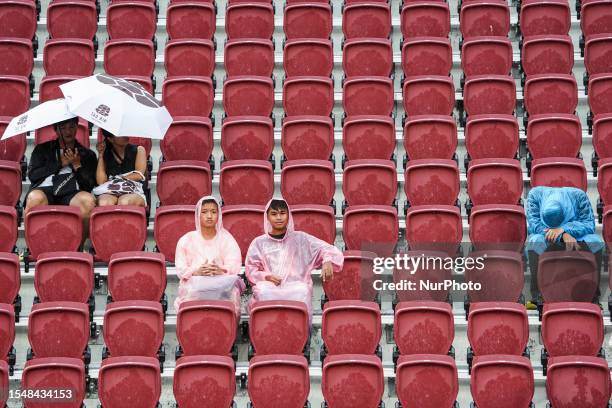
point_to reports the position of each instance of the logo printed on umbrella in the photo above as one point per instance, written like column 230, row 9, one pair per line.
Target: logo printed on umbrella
column 103, row 110
column 22, row 120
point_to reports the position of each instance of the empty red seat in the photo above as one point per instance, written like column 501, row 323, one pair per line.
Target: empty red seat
column 597, row 54
column 551, row 17
column 550, row 93
column 13, row 148
column 599, row 89
column 183, row 182
column 498, row 226
column 372, row 228
column 491, row 136
column 195, row 375
column 49, row 86
column 602, row 135
column 247, row 137
column 486, row 56
column 501, row 277
column 171, row 223
column 429, row 95
column 425, row 19
column 431, row 181
column 607, row 226
column 495, row 181
column 308, row 57
column 136, row 275
column 129, row 57
column 188, row 96
column 423, row 327
column 430, row 137
column 366, row 20
column 351, row 327
column 64, row 375
column 559, row 172
column 14, row 95
column 426, row 270
column 16, row 57
column 307, row 137
column 308, row 182
column 489, row 94
column 249, row 57
column 369, row 181
column 244, row 223
column 191, row 20
column 367, row 57
column 206, row 327
column 434, row 227
column 554, row 135
column 604, row 181
column 131, row 19
column 352, row 380
column 69, row 57
column 248, row 96
column 547, row 54
column 10, row 183
column 278, row 380
column 427, row 56
column 368, row 96
column 355, row 282
column 4, row 383
column 279, row 327
column 132, row 381
column 249, row 20
column 189, row 57
column 7, row 330
column 308, row 96
column 117, row 228
column 246, row 182
column 494, row 375
column 368, row 137
column 572, row 329
column 8, row 228
column 484, row 18
column 10, row 275
column 568, row 378
column 18, row 19
column 133, row 328
column 498, row 328
column 316, row 220
column 50, row 228
column 415, row 387
column 59, row 329
column 307, row 20
column 64, row 276
column 570, row 276
column 595, row 17
column 188, row 138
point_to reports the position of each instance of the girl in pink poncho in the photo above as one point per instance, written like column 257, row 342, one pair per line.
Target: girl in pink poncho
column 208, row 251
column 279, row 263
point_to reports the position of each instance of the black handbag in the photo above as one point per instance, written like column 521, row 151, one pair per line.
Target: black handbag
column 64, row 184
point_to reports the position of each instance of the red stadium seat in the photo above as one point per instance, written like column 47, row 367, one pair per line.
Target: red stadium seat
column 597, row 54
column 599, row 89
column 49, row 86
column 244, row 222
column 247, row 137
column 424, row 271
column 129, row 382
column 4, row 383
column 495, row 181
column 131, row 19
column 489, row 94
column 117, row 228
column 558, row 135
column 501, row 278
column 372, row 228
column 133, row 328
column 308, row 96
column 10, row 275
column 13, row 148
column 7, row 330
column 192, row 57
column 550, row 93
column 16, row 57
column 8, row 228
column 191, row 20
column 307, row 20
column 249, row 20
column 427, row 56
column 195, row 376
column 316, row 220
column 602, row 135
column 129, row 57
column 248, row 96
column 351, row 327
column 566, row 376
column 188, row 96
column 431, row 181
column 59, row 329
column 50, row 228
column 502, row 381
column 307, row 137
column 64, row 276
column 18, row 19
column 188, row 138
column 489, row 18
column 430, row 137
column 604, row 181
column 249, row 57
column 551, row 17
column 429, row 95
column 415, row 385
column 423, row 327
column 486, row 56
column 69, row 57
column 351, row 380
column 278, row 380
column 278, row 327
column 498, row 226
column 368, row 96
column 171, row 223
column 570, row 276
column 547, row 54
column 64, row 375
column 183, row 182
column 595, row 17
column 308, row 182
column 246, row 182
column 572, row 329
column 369, row 181
column 137, row 275
column 14, row 95
column 607, row 226
column 308, row 57
column 206, row 327
column 559, row 172
column 367, row 57
column 355, row 282
column 425, row 19
column 368, row 137
column 434, row 227
column 10, row 183
column 491, row 136
column 498, row 328
column 47, row 133
column 366, row 20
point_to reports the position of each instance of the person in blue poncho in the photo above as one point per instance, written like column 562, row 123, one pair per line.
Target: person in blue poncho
column 559, row 218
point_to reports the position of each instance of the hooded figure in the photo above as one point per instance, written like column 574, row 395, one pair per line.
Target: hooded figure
column 204, row 265
column 290, row 258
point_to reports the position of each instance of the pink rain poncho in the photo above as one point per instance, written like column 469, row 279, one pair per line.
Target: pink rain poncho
column 193, row 251
column 293, row 258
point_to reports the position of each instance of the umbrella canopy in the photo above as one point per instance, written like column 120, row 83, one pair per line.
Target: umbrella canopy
column 119, row 106
column 45, row 114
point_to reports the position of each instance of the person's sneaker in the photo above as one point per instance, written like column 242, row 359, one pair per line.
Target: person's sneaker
column 531, row 306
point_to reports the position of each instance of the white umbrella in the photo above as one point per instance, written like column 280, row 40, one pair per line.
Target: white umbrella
column 45, row 114
column 121, row 107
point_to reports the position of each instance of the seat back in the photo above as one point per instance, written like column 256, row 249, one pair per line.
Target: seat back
column 430, row 270
column 206, row 327
column 191, row 57
column 191, row 20
column 427, row 381
column 64, row 276
column 372, row 228
column 18, row 19
column 14, row 94
column 249, row 57
column 10, row 275
column 431, row 181
column 188, row 138
column 570, row 276
column 368, row 96
column 249, row 20
column 484, row 18
column 498, row 328
column 8, row 228
column 498, row 226
column 598, row 89
column 117, row 228
column 183, row 182
column 367, row 57
column 246, row 182
column 602, row 136
column 351, row 327
column 247, row 137
column 188, row 96
column 279, row 326
column 69, row 57
column 244, row 222
column 308, row 182
column 308, row 57
column 425, row 19
column 351, row 380
column 489, row 94
column 55, row 373
column 278, row 380
column 595, row 18
column 551, row 93
column 308, row 96
column 493, row 375
column 366, row 20
column 557, row 135
column 559, row 172
column 427, row 56
column 545, row 18
column 429, row 95
column 7, row 330
column 16, row 57
column 248, row 96
column 311, row 20
column 491, row 136
column 133, row 19
column 10, row 183
column 51, row 228
column 486, row 56
column 171, row 223
column 597, row 54
column 134, row 379
column 355, row 280
column 13, row 148
column 572, row 329
column 567, row 378
column 430, row 137
column 307, row 137
column 129, row 57
column 369, row 181
column 548, row 54
column 316, row 220
column 495, row 181
column 604, row 180
column 204, row 381
column 425, row 327
column 368, row 137
column 4, row 383
column 137, row 276
column 501, row 276
column 434, row 227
